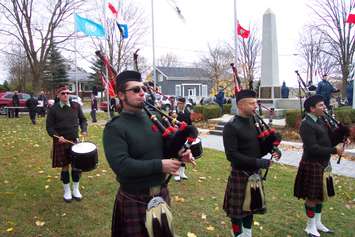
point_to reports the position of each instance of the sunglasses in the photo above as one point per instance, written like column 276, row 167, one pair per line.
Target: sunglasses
column 137, row 89
column 64, row 93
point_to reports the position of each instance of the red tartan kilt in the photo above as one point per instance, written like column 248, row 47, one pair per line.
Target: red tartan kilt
column 128, row 218
column 234, row 195
column 309, row 180
column 60, row 154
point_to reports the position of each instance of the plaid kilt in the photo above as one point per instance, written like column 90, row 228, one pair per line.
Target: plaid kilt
column 128, row 218
column 60, row 154
column 235, row 193
column 309, row 180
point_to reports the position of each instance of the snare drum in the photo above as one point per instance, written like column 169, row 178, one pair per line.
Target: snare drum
column 196, row 148
column 84, row 156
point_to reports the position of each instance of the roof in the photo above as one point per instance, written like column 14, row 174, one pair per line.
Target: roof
column 81, row 74
column 183, row 72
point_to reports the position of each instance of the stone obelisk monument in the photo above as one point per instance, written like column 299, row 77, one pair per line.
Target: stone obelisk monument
column 270, row 84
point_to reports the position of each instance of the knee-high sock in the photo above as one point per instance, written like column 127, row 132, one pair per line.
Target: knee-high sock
column 75, row 175
column 236, row 226
column 64, row 176
column 248, row 221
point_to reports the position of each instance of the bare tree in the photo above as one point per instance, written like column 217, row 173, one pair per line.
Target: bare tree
column 168, row 60
column 217, row 63
column 331, row 16
column 249, row 50
column 34, row 24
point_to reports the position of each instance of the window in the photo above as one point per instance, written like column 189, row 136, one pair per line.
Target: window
column 191, row 92
column 178, row 90
column 160, row 78
column 204, row 90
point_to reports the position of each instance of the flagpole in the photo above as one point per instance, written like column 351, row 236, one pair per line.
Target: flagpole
column 106, row 71
column 234, row 108
column 153, row 45
column 75, row 59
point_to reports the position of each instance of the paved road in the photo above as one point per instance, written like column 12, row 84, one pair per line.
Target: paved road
column 289, row 157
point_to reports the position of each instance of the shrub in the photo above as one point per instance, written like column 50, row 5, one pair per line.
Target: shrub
column 293, row 118
column 211, row 111
column 227, row 108
column 196, row 117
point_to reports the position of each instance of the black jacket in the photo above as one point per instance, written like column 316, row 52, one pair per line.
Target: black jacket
column 184, row 116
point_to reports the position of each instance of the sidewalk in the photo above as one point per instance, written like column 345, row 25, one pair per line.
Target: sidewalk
column 345, row 168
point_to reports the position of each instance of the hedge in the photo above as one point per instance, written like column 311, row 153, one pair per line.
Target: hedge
column 345, row 115
column 211, row 111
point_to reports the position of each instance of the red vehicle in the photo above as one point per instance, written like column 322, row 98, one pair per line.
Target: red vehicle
column 6, row 100
column 103, row 106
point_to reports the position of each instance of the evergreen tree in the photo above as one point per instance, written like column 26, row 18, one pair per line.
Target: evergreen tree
column 97, row 66
column 55, row 72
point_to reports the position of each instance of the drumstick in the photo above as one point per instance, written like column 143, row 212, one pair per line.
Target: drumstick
column 64, row 139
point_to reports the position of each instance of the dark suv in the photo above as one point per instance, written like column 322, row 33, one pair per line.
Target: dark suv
column 6, row 100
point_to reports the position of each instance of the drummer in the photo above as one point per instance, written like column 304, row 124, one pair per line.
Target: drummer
column 62, row 123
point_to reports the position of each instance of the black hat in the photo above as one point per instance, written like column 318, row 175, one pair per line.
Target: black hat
column 312, row 101
column 181, row 99
column 126, row 76
column 245, row 94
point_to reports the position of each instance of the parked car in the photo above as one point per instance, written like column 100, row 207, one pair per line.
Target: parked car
column 6, row 100
column 103, row 105
column 168, row 102
column 76, row 99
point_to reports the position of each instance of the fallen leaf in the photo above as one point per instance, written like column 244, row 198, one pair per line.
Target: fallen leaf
column 41, row 172
column 210, row 228
column 202, row 177
column 40, row 223
column 9, row 229
column 46, row 187
column 189, row 234
column 256, row 223
column 203, row 216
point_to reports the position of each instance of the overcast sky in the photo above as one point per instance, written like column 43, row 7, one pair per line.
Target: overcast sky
column 211, row 22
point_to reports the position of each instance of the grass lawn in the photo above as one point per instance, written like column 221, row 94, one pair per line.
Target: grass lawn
column 31, row 195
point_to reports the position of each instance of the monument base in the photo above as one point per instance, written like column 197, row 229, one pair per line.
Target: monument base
column 266, row 92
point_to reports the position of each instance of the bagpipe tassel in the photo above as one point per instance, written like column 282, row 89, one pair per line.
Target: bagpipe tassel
column 165, row 225
column 330, row 186
column 156, row 227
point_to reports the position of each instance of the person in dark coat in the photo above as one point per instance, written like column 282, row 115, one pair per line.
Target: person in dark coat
column 242, row 148
column 42, row 99
column 349, row 92
column 63, row 121
column 16, row 103
column 112, row 106
column 31, row 104
column 134, row 151
column 284, row 91
column 182, row 115
column 317, row 149
column 220, row 99
column 325, row 89
column 93, row 108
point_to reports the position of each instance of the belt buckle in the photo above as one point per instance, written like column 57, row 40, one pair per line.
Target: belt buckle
column 155, row 190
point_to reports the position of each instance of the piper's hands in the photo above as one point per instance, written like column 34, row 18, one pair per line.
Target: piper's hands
column 347, row 141
column 186, row 156
column 84, row 134
column 276, row 154
column 171, row 166
column 340, row 149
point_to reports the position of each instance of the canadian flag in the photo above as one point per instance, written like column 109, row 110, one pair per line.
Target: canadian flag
column 351, row 17
column 242, row 32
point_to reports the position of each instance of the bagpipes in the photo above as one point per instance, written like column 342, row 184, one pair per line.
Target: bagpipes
column 268, row 138
column 338, row 132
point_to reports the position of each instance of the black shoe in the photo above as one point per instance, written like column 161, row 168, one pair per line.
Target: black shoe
column 67, row 200
column 77, row 198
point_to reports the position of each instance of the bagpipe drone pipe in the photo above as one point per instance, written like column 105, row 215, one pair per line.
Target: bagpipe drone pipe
column 176, row 134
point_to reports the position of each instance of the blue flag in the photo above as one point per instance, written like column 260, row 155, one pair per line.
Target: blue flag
column 88, row 27
column 123, row 30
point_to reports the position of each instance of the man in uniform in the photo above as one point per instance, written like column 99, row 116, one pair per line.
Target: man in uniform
column 134, row 151
column 15, row 103
column 317, row 149
column 242, row 149
column 62, row 124
column 31, row 104
column 182, row 115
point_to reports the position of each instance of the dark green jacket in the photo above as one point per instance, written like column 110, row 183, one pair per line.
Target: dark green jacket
column 134, row 150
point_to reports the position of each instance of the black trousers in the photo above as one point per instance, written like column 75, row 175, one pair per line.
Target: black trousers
column 32, row 114
column 93, row 115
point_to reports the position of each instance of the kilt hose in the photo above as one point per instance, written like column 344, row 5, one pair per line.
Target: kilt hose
column 235, row 194
column 60, row 154
column 128, row 218
column 309, row 180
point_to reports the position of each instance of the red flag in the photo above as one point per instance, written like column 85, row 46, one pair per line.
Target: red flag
column 113, row 9
column 111, row 73
column 351, row 18
column 111, row 90
column 242, row 32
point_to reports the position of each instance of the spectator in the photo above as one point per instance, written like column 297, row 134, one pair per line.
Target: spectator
column 220, row 99
column 284, row 91
column 325, row 89
column 43, row 102
column 16, row 103
column 93, row 108
column 349, row 92
column 112, row 106
column 31, row 104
